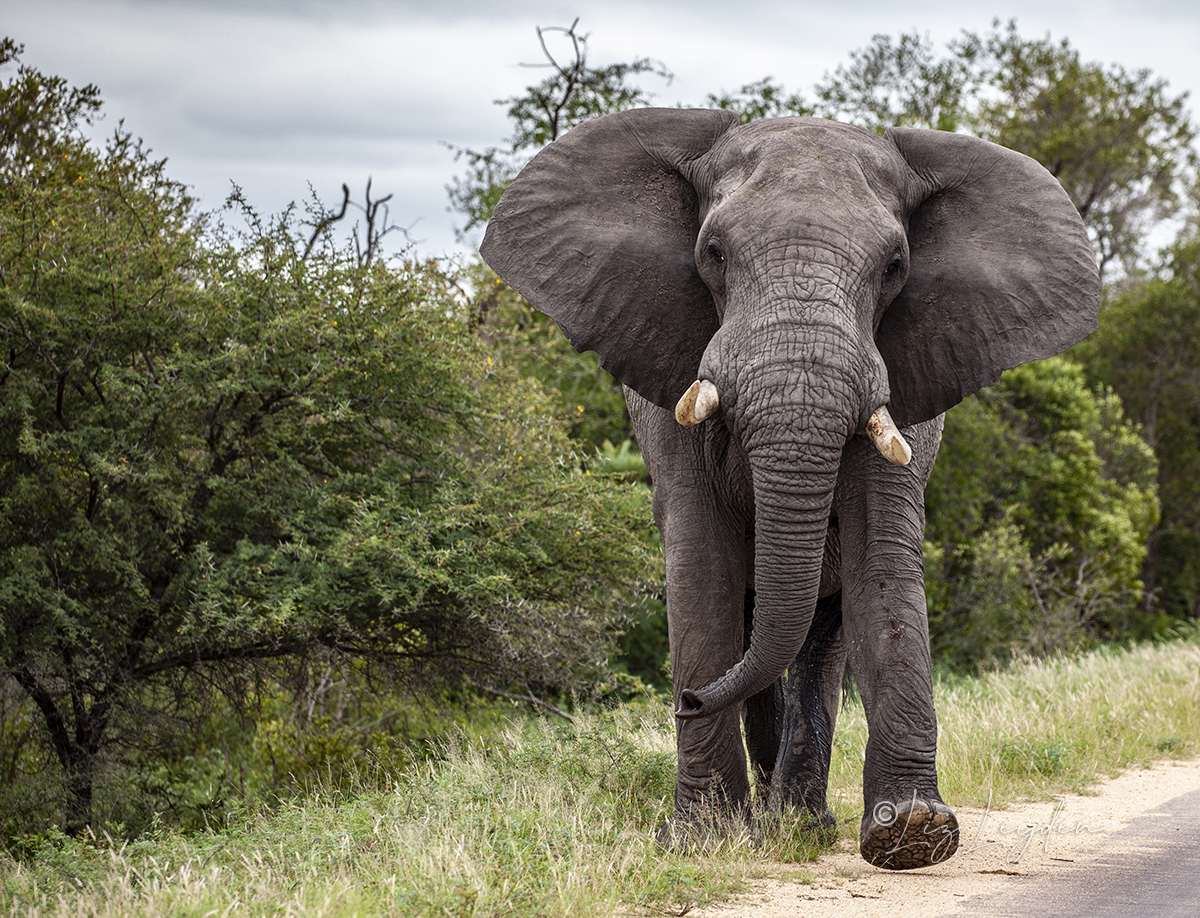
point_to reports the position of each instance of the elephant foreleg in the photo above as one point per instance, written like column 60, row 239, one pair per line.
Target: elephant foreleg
column 881, row 513
column 705, row 588
column 706, row 560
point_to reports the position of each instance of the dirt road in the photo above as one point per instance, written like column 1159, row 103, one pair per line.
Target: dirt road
column 1112, row 853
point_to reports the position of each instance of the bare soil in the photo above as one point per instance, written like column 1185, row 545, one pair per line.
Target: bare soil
column 998, row 853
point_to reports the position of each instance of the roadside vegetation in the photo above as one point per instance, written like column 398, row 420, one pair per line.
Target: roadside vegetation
column 544, row 817
column 328, row 581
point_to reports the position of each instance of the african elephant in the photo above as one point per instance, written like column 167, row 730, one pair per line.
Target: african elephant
column 791, row 305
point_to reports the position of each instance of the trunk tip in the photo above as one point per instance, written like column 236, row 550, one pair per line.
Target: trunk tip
column 690, row 705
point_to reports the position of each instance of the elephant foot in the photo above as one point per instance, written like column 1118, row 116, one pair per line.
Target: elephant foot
column 909, row 833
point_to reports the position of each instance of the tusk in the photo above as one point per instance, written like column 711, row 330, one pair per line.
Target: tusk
column 698, row 403
column 887, row 438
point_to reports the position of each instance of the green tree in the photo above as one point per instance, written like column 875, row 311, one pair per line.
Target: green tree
column 1038, row 511
column 591, row 405
column 221, row 454
column 587, row 399
column 1119, row 141
column 898, row 82
column 40, row 114
column 1148, row 349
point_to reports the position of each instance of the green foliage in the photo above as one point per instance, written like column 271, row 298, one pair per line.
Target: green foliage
column 896, row 83
column 39, row 115
column 335, row 726
column 476, row 194
column 591, row 402
column 1148, row 350
column 1038, row 511
column 644, row 647
column 1117, row 140
column 221, row 451
column 585, row 397
column 623, row 461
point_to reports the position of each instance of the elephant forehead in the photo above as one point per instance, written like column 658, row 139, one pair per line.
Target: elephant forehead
column 806, row 157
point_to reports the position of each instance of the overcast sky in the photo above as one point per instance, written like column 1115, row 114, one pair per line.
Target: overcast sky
column 274, row 94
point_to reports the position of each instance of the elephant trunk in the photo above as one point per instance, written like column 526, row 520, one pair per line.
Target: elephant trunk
column 795, row 468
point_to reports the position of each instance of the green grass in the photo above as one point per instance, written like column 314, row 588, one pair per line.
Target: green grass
column 551, row 819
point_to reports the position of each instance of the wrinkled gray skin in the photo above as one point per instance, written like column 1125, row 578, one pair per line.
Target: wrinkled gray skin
column 812, row 272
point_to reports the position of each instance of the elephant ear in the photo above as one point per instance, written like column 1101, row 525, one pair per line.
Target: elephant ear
column 1001, row 273
column 598, row 232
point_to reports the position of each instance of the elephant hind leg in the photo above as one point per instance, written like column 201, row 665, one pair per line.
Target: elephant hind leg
column 812, row 692
column 763, row 719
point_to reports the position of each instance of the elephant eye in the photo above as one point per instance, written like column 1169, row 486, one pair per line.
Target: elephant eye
column 714, row 251
column 894, row 266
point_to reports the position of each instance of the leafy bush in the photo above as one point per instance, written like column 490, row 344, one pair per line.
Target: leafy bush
column 1148, row 349
column 1038, row 511
column 224, row 454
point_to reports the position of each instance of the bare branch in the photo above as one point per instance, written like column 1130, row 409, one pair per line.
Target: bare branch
column 328, row 220
column 532, row 699
column 378, row 225
column 575, row 41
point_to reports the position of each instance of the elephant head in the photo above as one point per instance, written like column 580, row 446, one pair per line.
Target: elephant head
column 791, row 278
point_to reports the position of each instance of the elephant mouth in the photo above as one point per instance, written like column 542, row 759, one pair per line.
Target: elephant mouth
column 702, row 399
